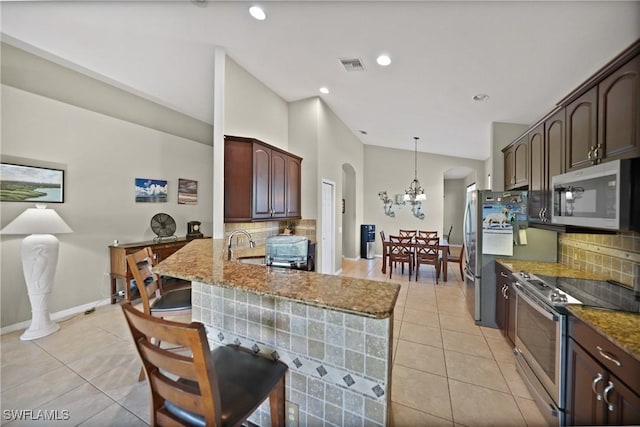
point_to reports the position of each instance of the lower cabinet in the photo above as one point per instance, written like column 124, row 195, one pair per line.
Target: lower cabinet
column 602, row 381
column 505, row 303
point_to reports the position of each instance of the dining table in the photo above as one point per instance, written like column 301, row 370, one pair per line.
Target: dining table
column 443, row 246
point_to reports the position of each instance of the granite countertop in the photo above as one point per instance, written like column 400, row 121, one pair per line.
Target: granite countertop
column 620, row 327
column 205, row 261
column 547, row 269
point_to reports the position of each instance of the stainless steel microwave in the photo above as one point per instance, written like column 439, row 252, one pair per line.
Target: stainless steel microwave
column 601, row 196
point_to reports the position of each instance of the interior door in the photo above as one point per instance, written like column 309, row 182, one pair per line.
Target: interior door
column 328, row 227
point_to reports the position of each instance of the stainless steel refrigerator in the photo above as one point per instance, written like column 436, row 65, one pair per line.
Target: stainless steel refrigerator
column 495, row 227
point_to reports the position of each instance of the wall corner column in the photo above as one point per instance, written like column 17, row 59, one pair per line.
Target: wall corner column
column 218, row 142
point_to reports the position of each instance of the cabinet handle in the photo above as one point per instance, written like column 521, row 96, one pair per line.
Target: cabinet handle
column 590, row 153
column 503, row 274
column 595, row 382
column 506, row 291
column 598, row 152
column 609, row 356
column 610, row 406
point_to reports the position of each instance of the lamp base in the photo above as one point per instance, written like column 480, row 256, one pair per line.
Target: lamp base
column 39, row 259
column 33, row 333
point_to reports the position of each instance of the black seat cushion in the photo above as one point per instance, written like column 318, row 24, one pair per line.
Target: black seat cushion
column 244, row 381
column 178, row 299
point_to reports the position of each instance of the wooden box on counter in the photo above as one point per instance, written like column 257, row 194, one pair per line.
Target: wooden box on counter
column 118, row 260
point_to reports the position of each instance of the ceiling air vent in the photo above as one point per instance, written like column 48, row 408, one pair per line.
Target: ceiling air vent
column 352, row 64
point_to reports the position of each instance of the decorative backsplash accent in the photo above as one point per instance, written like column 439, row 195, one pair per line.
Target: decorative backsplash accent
column 615, row 256
column 261, row 230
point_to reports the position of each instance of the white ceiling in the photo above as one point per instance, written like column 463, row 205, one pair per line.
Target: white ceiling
column 525, row 55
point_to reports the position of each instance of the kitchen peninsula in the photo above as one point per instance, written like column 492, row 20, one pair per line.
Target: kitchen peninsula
column 334, row 333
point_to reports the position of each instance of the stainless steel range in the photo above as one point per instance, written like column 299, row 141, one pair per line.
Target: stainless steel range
column 541, row 330
column 541, row 342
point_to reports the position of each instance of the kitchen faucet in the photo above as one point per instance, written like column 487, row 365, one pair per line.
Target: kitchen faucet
column 252, row 244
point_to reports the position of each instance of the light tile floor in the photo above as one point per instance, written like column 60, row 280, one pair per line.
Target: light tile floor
column 446, row 370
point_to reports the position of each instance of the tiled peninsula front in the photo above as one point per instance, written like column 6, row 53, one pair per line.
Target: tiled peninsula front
column 334, row 333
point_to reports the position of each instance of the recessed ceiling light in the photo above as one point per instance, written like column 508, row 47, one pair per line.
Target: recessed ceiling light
column 258, row 13
column 324, row 90
column 383, row 60
column 481, row 97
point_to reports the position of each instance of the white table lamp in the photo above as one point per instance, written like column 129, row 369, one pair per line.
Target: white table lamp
column 39, row 259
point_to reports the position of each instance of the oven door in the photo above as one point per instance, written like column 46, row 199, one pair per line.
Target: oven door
column 539, row 341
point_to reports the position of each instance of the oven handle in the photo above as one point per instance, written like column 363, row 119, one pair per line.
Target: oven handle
column 535, row 305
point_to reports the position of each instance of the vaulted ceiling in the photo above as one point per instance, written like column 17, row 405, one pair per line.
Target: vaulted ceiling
column 525, row 55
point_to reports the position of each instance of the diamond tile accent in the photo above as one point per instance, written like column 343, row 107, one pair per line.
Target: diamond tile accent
column 297, row 362
column 221, row 337
column 378, row 390
column 255, row 348
column 237, row 342
column 321, row 370
column 275, row 355
column 348, row 380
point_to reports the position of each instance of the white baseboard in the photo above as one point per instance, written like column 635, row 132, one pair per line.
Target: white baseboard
column 58, row 315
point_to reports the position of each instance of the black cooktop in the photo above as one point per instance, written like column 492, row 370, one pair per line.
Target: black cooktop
column 596, row 293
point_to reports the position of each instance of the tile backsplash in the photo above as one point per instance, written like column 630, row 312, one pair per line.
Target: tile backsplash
column 261, row 230
column 614, row 256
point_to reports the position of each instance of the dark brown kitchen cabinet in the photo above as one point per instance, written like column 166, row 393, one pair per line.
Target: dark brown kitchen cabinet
column 603, row 381
column 261, row 182
column 538, row 177
column 516, row 164
column 581, row 138
column 619, row 113
column 505, row 304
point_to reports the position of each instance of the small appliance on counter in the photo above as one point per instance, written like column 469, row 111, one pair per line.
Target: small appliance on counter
column 290, row 251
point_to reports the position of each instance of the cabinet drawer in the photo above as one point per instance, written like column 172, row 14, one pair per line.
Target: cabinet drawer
column 607, row 353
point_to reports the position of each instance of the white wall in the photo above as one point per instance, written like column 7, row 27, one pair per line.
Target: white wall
column 455, row 192
column 392, row 170
column 252, row 109
column 101, row 156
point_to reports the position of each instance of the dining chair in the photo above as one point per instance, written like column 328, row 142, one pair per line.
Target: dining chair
column 458, row 258
column 175, row 302
column 200, row 387
column 427, row 234
column 408, row 233
column 400, row 250
column 382, row 236
column 427, row 251
column 448, row 237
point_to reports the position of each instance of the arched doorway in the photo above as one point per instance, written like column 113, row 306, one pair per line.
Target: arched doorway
column 348, row 204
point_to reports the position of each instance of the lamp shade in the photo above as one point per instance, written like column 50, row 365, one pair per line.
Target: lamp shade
column 38, row 220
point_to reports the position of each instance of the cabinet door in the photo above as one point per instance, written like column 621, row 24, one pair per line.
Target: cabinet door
column 521, row 164
column 621, row 403
column 502, row 282
column 537, row 173
column 294, row 171
column 619, row 112
column 511, row 314
column 554, row 138
column 261, row 182
column 583, row 377
column 278, row 184
column 238, row 180
column 581, row 130
column 509, row 162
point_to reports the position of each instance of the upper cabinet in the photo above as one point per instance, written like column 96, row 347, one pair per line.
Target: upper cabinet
column 261, row 182
column 537, row 172
column 582, row 120
column 619, row 112
column 516, row 158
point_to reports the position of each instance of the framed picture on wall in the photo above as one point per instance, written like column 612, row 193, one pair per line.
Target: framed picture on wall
column 151, row 190
column 22, row 183
column 187, row 192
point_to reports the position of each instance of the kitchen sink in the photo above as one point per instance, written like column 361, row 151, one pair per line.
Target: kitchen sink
column 257, row 260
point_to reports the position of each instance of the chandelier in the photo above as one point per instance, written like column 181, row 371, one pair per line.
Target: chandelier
column 415, row 192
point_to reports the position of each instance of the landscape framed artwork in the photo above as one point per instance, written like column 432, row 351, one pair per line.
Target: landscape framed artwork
column 187, row 192
column 22, row 183
column 151, row 190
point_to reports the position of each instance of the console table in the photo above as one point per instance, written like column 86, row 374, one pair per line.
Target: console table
column 118, row 260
